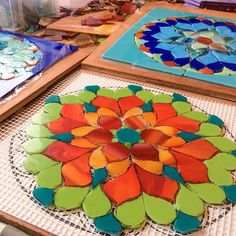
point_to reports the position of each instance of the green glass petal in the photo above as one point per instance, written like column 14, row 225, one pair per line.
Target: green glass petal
column 162, row 98
column 145, row 95
column 67, row 198
column 37, row 162
column 209, row 193
column 159, row 210
column 189, row 202
column 106, row 93
column 209, row 130
column 223, row 160
column 50, row 177
column 54, row 108
column 182, row 107
column 131, row 213
column 196, row 115
column 70, row 99
column 38, row 131
column 42, row 118
column 218, row 175
column 96, row 203
column 37, row 145
column 222, row 143
column 86, row 96
column 123, row 92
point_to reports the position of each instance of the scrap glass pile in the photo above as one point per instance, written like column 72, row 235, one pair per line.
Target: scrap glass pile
column 194, row 44
column 17, row 56
column 128, row 155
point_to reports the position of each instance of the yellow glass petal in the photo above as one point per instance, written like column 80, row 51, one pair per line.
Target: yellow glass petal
column 168, row 130
column 83, row 143
column 106, row 112
column 150, row 117
column 97, row 159
column 133, row 112
column 154, row 167
column 91, row 117
column 118, row 167
column 173, row 142
column 82, row 131
column 166, row 157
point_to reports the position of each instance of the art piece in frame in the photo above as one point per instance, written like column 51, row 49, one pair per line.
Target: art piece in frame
column 128, row 155
column 181, row 43
column 22, row 57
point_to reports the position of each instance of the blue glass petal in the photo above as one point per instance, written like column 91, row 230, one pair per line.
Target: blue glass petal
column 92, row 88
column 230, row 192
column 63, row 137
column 99, row 176
column 179, row 97
column 89, row 107
column 44, row 195
column 215, row 120
column 188, row 137
column 52, row 99
column 147, row 107
column 134, row 88
column 172, row 173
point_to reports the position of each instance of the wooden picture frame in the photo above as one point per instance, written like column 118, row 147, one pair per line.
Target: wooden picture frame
column 97, row 63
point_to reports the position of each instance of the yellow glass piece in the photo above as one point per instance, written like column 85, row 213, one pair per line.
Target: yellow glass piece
column 118, row 167
column 97, row 159
column 82, row 131
column 106, row 112
column 91, row 117
column 106, row 29
column 173, row 142
column 133, row 112
column 83, row 143
column 150, row 117
column 166, row 157
column 168, row 130
column 154, row 167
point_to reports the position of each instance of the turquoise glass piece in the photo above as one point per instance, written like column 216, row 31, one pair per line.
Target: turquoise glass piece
column 147, row 107
column 99, row 176
column 179, row 97
column 89, row 107
column 172, row 173
column 185, row 224
column 215, row 120
column 108, row 224
column 127, row 135
column 188, row 137
column 44, row 195
column 52, row 99
column 63, row 137
column 92, row 88
column 230, row 191
column 135, row 88
column 234, row 153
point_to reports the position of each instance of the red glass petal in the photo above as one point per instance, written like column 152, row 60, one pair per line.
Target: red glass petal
column 106, row 102
column 63, row 125
column 77, row 172
column 110, row 122
column 154, row 136
column 100, row 136
column 136, row 122
column 124, row 187
column 192, row 170
column 199, row 149
column 63, row 152
column 164, row 111
column 129, row 102
column 182, row 123
column 157, row 185
column 115, row 152
column 144, row 151
column 74, row 111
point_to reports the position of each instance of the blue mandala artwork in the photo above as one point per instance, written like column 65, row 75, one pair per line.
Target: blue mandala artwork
column 194, row 44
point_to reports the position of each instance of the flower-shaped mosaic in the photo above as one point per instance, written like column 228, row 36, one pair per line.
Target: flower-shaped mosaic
column 128, row 155
column 195, row 44
column 17, row 56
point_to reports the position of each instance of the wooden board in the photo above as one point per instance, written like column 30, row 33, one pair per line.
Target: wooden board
column 48, row 77
column 73, row 24
column 95, row 61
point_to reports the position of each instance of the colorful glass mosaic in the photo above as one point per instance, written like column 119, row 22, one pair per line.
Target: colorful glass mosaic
column 128, row 155
column 195, row 44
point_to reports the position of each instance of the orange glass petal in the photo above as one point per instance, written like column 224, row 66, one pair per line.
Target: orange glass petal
column 150, row 117
column 136, row 122
column 154, row 136
column 144, row 151
column 82, row 131
column 106, row 112
column 173, row 142
column 110, row 122
column 100, row 136
column 92, row 118
column 164, row 111
column 97, row 159
column 154, row 167
column 133, row 112
column 168, row 130
column 118, row 167
column 166, row 157
column 82, row 142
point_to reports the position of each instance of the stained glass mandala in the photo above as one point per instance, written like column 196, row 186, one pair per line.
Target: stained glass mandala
column 194, row 44
column 127, row 155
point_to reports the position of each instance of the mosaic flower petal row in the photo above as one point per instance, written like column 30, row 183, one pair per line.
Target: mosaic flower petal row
column 128, row 155
column 194, row 44
column 17, row 56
